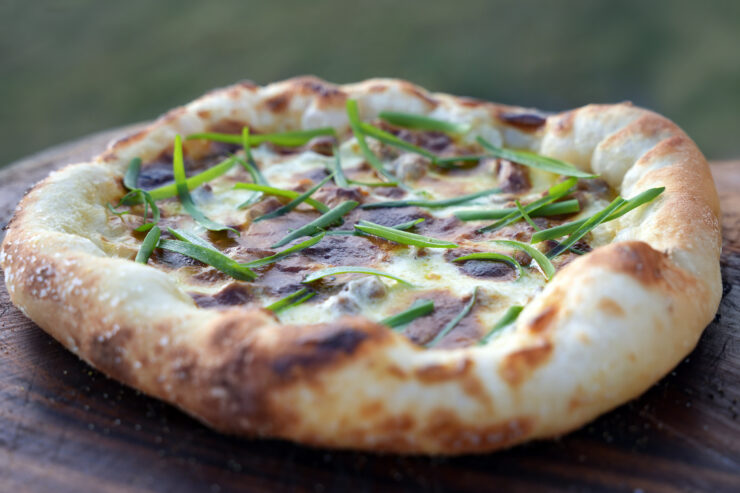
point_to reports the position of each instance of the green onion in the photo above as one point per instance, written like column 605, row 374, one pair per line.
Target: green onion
column 284, row 253
column 279, row 192
column 353, row 114
column 402, row 226
column 565, row 229
column 587, row 226
column 492, row 256
column 149, row 203
column 250, row 164
column 452, row 323
column 186, row 200
column 319, row 223
column 525, row 215
column 131, row 178
column 348, row 269
column 390, row 139
column 374, row 184
column 285, row 139
column 564, row 207
column 420, row 122
column 114, row 211
column 287, row 301
column 432, row 203
column 148, row 245
column 547, row 268
column 555, row 192
column 402, row 237
column 191, row 238
column 339, row 177
column 418, row 309
column 448, row 162
column 511, row 314
column 167, row 191
column 211, row 257
column 533, row 160
column 295, row 202
column 408, row 224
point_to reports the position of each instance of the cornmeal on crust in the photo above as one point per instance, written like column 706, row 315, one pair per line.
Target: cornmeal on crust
column 602, row 331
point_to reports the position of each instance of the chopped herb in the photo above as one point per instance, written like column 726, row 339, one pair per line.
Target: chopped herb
column 131, row 178
column 148, row 203
column 555, row 192
column 285, row 139
column 565, row 229
column 390, row 139
column 268, row 190
column 114, row 211
column 332, row 216
column 374, row 184
column 250, row 164
column 432, row 203
column 555, row 209
column 211, row 257
column 148, row 245
column 587, row 226
column 284, row 253
column 353, row 114
column 545, row 265
column 402, row 226
column 508, row 318
column 167, row 191
column 533, row 160
column 186, row 200
column 285, row 302
column 402, row 237
column 420, row 122
column 300, row 300
column 190, row 238
column 500, row 257
column 408, row 224
column 452, row 323
column 419, row 308
column 346, row 269
column 525, row 215
column 448, row 162
column 295, row 202
column 339, row 178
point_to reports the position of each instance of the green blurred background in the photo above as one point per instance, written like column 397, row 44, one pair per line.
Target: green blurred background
column 69, row 68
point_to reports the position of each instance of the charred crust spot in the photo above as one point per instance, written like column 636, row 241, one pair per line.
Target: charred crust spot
column 419, row 93
column 526, row 121
column 440, row 372
column 543, row 320
column 636, row 258
column 110, row 155
column 611, row 307
column 455, row 436
column 107, row 351
column 519, row 365
column 233, row 294
column 564, row 123
column 278, row 103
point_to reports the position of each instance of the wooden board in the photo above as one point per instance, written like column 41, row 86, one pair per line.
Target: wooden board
column 66, row 427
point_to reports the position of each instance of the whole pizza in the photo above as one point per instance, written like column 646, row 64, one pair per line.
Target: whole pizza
column 373, row 266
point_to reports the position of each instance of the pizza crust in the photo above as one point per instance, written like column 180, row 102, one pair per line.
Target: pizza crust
column 605, row 329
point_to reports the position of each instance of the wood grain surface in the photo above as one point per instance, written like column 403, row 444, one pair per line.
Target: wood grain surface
column 66, row 427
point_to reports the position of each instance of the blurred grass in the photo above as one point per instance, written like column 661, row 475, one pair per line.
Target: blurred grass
column 69, row 68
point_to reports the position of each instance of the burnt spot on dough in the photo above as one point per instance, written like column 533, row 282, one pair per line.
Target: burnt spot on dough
column 442, row 372
column 278, row 103
column 610, row 307
column 543, row 320
column 527, row 121
column 454, row 436
column 517, row 366
column 639, row 260
column 107, row 352
column 233, row 294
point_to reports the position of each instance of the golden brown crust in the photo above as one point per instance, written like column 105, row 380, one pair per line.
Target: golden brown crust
column 610, row 323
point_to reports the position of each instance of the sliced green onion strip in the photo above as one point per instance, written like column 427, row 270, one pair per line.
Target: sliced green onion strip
column 432, row 203
column 402, row 226
column 533, row 160
column 211, row 257
column 332, row 216
column 452, row 323
column 186, row 200
column 149, row 203
column 339, row 177
column 419, row 308
column 300, row 300
column 545, row 265
column 167, row 191
column 374, row 184
column 448, row 162
column 568, row 228
column 131, row 178
column 402, row 237
column 191, row 238
column 114, row 211
column 286, row 301
column 285, row 139
column 148, row 245
column 525, row 215
column 508, row 318
column 295, row 202
column 348, row 269
column 500, row 257
column 279, row 192
column 555, row 192
column 390, row 139
column 587, row 226
column 284, row 253
column 408, row 224
column 353, row 114
column 421, row 122
column 250, row 164
column 554, row 209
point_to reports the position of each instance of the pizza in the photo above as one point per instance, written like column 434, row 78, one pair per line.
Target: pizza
column 373, row 266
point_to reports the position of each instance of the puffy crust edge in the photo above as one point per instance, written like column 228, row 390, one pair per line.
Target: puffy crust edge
column 605, row 329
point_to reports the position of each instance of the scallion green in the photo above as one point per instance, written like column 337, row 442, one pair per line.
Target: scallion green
column 533, row 160
column 452, row 323
column 421, row 122
column 418, row 308
column 211, row 257
column 432, row 203
column 402, row 237
column 286, row 139
column 508, row 318
column 148, row 245
column 545, row 265
column 349, row 269
column 332, row 216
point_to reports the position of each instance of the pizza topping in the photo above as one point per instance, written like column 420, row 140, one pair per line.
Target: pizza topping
column 533, row 160
column 508, row 318
column 291, row 300
column 556, row 209
column 295, row 202
column 148, row 245
column 354, row 120
column 288, row 251
column 347, row 251
column 476, row 265
column 452, row 323
column 347, row 269
column 418, row 309
column 210, row 257
column 421, row 122
column 587, row 226
column 354, row 295
column 432, row 203
column 281, row 193
column 318, row 224
column 512, row 177
column 402, row 237
column 285, row 139
column 544, row 262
